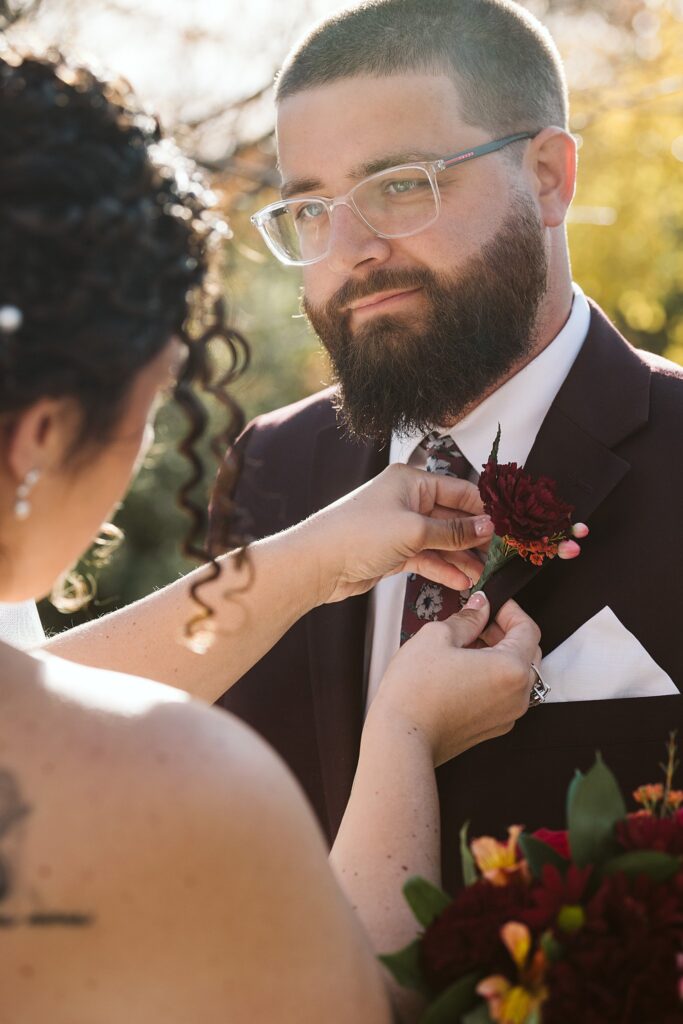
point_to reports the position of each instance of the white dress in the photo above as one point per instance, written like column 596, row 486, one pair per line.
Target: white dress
column 20, row 625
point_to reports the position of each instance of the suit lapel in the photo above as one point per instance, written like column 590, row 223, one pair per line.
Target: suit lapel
column 604, row 399
column 336, row 632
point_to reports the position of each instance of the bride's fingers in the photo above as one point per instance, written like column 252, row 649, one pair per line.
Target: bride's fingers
column 492, row 635
column 456, row 533
column 467, row 561
column 443, row 512
column 467, row 624
column 447, row 513
column 456, row 494
column 522, row 635
column 435, row 567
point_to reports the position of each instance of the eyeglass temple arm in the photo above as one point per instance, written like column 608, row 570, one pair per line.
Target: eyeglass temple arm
column 487, row 147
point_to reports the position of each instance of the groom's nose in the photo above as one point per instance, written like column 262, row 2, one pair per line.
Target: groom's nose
column 352, row 242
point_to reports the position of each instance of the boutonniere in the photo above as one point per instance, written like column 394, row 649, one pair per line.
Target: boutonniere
column 530, row 519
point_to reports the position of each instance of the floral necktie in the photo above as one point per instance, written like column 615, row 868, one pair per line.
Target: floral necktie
column 426, row 601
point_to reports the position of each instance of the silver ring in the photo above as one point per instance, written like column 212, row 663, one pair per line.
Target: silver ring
column 540, row 689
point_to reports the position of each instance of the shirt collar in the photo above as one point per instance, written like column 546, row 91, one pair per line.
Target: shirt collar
column 520, row 404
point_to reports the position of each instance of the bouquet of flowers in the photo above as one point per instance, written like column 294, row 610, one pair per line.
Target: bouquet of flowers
column 582, row 926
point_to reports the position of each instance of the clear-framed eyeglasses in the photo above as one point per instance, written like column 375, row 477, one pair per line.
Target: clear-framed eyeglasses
column 394, row 203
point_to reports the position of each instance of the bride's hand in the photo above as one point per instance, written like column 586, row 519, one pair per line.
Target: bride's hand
column 404, row 520
column 456, row 697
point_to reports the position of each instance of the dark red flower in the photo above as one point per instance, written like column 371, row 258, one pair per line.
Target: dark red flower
column 553, row 891
column 466, row 936
column 522, row 508
column 643, row 831
column 559, row 840
column 622, row 964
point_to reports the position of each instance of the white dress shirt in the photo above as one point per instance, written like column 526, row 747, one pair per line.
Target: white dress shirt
column 520, row 405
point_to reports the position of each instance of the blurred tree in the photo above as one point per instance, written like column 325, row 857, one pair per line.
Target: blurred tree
column 12, row 11
column 626, row 228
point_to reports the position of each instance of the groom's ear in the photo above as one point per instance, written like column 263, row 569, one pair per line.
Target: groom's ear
column 39, row 437
column 552, row 164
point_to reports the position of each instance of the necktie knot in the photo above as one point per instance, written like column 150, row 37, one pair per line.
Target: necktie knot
column 444, row 456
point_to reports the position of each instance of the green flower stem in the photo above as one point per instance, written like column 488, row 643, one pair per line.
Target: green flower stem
column 499, row 554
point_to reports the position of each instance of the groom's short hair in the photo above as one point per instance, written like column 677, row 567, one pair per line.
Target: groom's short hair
column 504, row 63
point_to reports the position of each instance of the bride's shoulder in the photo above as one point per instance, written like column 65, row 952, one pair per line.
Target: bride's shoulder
column 171, row 835
column 132, row 750
column 139, row 725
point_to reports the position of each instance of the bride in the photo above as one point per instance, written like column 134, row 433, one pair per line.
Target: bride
column 157, row 861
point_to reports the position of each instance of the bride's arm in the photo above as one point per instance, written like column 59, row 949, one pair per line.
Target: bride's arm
column 436, row 700
column 343, row 550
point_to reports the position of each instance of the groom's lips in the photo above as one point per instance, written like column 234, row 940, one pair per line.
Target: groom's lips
column 380, row 302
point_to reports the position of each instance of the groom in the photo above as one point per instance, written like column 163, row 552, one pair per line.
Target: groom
column 427, row 171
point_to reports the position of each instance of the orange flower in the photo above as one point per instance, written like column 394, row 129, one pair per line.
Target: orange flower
column 509, row 1004
column 497, row 861
column 536, row 551
column 517, row 940
column 513, row 1004
column 650, row 794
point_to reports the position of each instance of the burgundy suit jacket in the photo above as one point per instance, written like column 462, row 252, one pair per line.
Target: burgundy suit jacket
column 613, row 440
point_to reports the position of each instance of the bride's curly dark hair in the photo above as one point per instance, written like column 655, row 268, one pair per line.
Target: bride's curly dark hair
column 106, row 238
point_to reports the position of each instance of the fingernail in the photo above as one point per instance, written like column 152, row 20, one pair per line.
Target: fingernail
column 483, row 526
column 568, row 549
column 477, row 601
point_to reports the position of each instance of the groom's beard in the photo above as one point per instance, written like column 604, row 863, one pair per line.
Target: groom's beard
column 395, row 374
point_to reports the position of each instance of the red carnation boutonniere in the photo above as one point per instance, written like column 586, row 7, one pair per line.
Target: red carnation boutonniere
column 529, row 517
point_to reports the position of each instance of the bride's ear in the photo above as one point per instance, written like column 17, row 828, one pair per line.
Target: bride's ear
column 39, row 437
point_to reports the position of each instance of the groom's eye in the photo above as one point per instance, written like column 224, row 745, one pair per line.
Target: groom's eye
column 403, row 186
column 309, row 211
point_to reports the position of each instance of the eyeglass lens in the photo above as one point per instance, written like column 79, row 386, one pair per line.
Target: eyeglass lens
column 395, row 203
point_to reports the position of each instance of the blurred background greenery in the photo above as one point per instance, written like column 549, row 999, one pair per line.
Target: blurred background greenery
column 208, row 66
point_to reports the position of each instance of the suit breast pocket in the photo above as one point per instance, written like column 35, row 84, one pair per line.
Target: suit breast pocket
column 603, row 660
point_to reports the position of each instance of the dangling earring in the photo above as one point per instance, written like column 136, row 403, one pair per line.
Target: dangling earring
column 22, row 506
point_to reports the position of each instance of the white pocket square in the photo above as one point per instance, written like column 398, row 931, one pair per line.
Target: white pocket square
column 603, row 660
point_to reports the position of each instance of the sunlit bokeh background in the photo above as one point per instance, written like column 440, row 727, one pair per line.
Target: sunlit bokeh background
column 207, row 67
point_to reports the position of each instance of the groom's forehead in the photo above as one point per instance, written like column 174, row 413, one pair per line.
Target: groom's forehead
column 398, row 94
column 360, row 124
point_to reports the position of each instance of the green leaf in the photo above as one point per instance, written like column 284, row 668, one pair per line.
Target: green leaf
column 553, row 949
column 479, row 1015
column 405, row 966
column 469, row 869
column 493, row 457
column 656, row 865
column 572, row 789
column 537, row 854
column 498, row 555
column 425, row 900
column 595, row 806
column 453, row 1002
